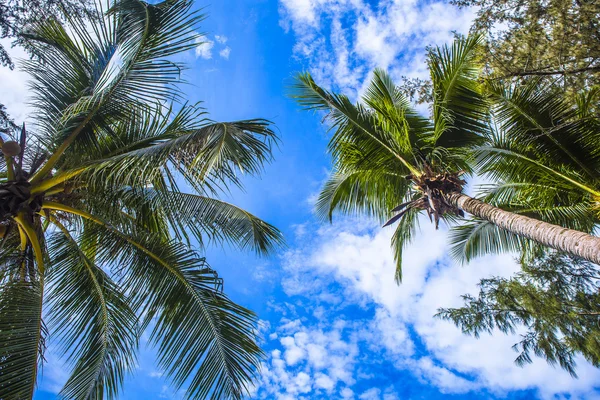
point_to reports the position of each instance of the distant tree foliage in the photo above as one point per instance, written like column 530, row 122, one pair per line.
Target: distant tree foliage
column 558, row 40
column 417, row 90
column 7, row 125
column 16, row 15
column 554, row 299
column 552, row 38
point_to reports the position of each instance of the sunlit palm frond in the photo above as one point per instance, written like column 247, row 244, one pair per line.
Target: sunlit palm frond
column 395, row 115
column 213, row 221
column 202, row 337
column 460, row 110
column 505, row 160
column 351, row 124
column 361, row 193
column 545, row 126
column 209, row 155
column 87, row 81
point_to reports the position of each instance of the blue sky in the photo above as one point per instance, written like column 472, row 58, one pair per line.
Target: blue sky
column 333, row 322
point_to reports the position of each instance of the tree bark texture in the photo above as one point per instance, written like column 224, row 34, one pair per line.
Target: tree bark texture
column 563, row 239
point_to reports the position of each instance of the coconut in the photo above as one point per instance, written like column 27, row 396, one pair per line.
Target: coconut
column 11, row 148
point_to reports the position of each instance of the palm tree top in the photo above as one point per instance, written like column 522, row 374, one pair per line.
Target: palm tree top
column 96, row 225
column 388, row 157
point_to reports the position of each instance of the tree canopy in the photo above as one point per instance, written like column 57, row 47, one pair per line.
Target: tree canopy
column 559, row 39
column 553, row 304
column 102, row 200
column 17, row 15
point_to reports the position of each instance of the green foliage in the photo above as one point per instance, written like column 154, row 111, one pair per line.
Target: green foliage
column 553, row 303
column 16, row 16
column 557, row 39
column 117, row 182
column 380, row 144
column 84, row 298
column 22, row 336
column 543, row 159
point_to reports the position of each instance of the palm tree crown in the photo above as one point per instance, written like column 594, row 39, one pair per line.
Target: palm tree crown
column 387, row 157
column 96, row 225
column 385, row 154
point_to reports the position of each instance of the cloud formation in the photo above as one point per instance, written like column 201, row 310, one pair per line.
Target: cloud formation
column 346, row 320
column 204, row 48
column 206, row 45
column 225, row 53
column 342, row 41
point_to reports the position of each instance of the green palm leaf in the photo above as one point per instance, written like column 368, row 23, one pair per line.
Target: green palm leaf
column 92, row 318
column 460, row 111
column 199, row 333
column 22, row 338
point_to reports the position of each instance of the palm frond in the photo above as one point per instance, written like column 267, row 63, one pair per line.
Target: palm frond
column 200, row 334
column 92, row 320
column 210, row 156
column 360, row 192
column 394, row 113
column 478, row 238
column 22, row 338
column 510, row 164
column 202, row 337
column 544, row 126
column 221, row 222
column 351, row 124
column 124, row 66
column 405, row 231
column 460, row 111
column 209, row 220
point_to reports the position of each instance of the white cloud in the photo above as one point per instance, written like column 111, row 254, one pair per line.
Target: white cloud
column 353, row 261
column 347, row 393
column 221, row 39
column 14, row 85
column 225, row 52
column 313, row 360
column 341, row 41
column 371, row 394
column 204, row 48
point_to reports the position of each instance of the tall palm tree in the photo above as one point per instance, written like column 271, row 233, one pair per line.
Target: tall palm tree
column 99, row 207
column 387, row 157
column 544, row 161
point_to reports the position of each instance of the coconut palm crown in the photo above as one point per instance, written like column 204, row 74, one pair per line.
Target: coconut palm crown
column 385, row 154
column 100, row 201
column 389, row 159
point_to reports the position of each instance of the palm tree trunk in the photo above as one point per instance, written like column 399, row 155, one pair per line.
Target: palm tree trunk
column 567, row 240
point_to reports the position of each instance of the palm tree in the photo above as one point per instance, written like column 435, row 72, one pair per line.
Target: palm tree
column 386, row 156
column 99, row 207
column 543, row 159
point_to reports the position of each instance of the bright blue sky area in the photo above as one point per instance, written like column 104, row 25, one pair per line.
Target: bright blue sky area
column 333, row 322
